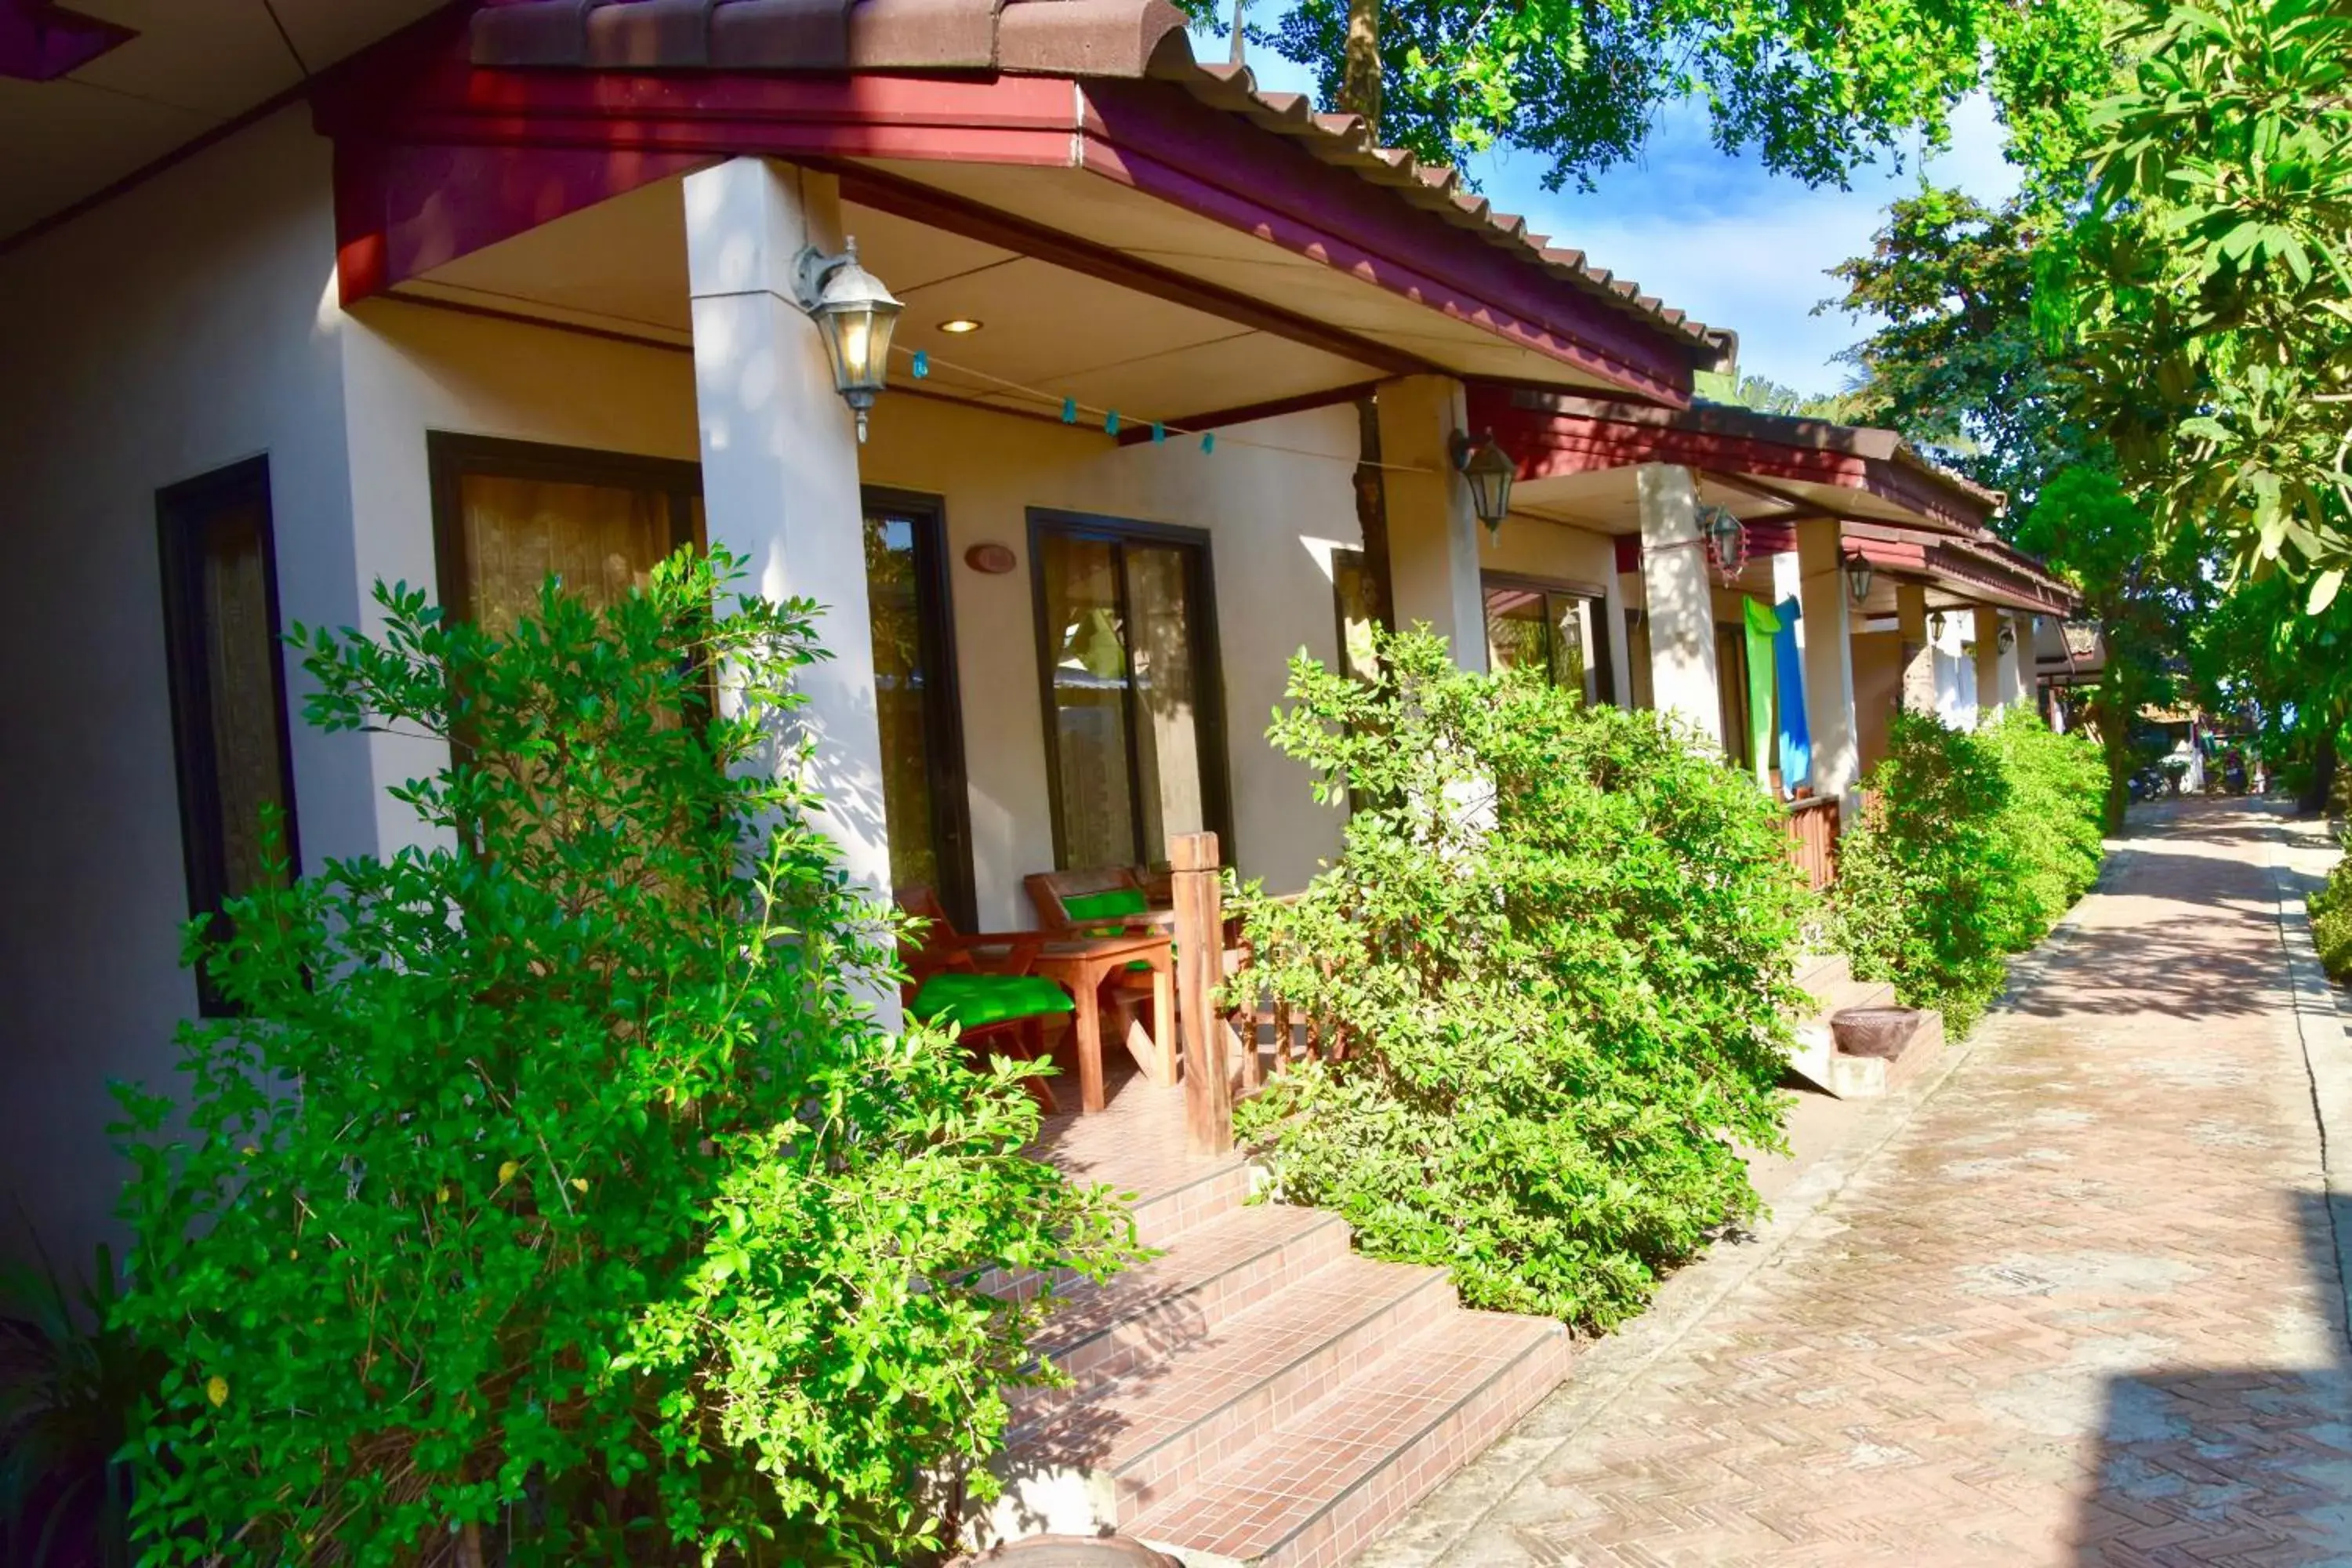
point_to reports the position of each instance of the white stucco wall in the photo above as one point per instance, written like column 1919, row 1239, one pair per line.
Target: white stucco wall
column 193, row 324
column 1271, row 515
column 180, row 328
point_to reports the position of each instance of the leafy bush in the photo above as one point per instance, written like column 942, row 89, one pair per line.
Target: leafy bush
column 2331, row 919
column 2054, row 822
column 1557, row 951
column 1931, row 888
column 71, row 1381
column 557, row 1196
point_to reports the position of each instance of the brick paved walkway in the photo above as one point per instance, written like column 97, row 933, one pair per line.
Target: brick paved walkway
column 2082, row 1310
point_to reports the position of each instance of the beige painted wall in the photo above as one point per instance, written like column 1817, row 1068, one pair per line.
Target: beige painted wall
column 1272, row 517
column 184, row 326
column 1877, row 690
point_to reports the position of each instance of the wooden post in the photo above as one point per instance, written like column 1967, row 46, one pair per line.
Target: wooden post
column 1200, row 958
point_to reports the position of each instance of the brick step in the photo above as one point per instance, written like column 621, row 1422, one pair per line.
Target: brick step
column 1317, row 1488
column 1217, row 1189
column 1923, row 1048
column 1148, row 1436
column 1815, row 970
column 1210, row 1273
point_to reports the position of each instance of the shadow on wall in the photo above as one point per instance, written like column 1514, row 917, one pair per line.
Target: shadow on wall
column 2240, row 1465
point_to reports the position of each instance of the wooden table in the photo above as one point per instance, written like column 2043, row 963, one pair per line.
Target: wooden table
column 1080, row 966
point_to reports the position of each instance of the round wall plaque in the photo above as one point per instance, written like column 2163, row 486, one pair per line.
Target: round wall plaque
column 992, row 559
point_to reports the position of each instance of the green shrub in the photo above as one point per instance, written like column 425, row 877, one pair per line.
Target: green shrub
column 2331, row 919
column 557, row 1197
column 1557, row 947
column 2054, row 822
column 1930, row 892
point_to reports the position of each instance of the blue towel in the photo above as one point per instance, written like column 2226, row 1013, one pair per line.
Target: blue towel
column 1796, row 738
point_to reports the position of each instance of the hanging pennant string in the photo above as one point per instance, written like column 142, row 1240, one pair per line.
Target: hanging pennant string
column 1209, row 440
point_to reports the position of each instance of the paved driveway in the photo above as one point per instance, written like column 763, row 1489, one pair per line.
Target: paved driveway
column 2082, row 1307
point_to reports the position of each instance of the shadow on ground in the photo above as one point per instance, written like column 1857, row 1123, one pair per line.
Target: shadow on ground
column 2231, row 1464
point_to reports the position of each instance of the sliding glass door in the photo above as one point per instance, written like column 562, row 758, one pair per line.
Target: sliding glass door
column 1134, row 730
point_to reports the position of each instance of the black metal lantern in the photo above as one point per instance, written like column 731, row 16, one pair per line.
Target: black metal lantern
column 2008, row 638
column 856, row 316
column 1857, row 578
column 1489, row 471
column 1726, row 537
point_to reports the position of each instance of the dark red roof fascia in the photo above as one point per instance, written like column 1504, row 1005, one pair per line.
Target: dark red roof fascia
column 1550, row 435
column 1154, row 137
column 437, row 157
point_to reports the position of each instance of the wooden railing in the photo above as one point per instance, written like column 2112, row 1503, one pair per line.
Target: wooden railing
column 1812, row 839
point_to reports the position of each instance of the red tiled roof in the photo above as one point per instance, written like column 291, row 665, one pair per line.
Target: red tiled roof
column 1078, row 38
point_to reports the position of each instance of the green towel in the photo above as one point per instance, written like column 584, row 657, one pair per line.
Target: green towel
column 1763, row 627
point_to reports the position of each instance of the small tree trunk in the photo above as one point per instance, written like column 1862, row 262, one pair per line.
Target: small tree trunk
column 1238, row 6
column 1359, row 76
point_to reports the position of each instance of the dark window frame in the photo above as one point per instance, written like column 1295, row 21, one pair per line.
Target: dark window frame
column 944, row 760
column 1216, row 780
column 1604, row 661
column 181, row 510
column 451, row 459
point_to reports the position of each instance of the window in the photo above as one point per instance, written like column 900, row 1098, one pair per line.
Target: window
column 1127, row 655
column 507, row 513
column 924, row 796
column 1559, row 630
column 229, row 684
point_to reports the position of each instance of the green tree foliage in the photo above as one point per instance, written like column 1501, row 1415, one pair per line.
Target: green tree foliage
column 1557, row 947
column 2209, row 287
column 2057, row 801
column 557, row 1193
column 1957, row 364
column 2144, row 592
column 1816, row 88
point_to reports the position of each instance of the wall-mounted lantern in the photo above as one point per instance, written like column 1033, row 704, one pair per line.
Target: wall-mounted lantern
column 1726, row 538
column 2008, row 638
column 1857, row 578
column 856, row 316
column 1489, row 471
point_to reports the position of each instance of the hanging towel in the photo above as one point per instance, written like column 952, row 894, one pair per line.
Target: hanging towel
column 1796, row 735
column 1763, row 625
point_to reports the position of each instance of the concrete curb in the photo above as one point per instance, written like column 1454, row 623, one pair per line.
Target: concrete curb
column 2326, row 1042
column 1432, row 1535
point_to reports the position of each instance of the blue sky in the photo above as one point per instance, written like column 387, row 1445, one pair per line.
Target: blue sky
column 1718, row 235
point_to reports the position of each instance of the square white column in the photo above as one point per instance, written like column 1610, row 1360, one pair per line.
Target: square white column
column 780, row 466
column 1829, row 664
column 1683, row 677
column 2017, row 665
column 1433, row 527
column 1990, row 698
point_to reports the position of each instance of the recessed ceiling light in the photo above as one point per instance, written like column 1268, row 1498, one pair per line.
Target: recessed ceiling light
column 960, row 325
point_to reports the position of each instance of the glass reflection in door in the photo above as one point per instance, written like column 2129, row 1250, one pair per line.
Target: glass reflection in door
column 915, row 699
column 1127, row 641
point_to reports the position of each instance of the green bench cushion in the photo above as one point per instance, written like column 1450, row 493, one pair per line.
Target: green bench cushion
column 1116, row 903
column 976, row 1001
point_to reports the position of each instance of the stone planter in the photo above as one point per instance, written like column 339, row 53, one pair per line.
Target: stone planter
column 1069, row 1552
column 1880, row 1032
